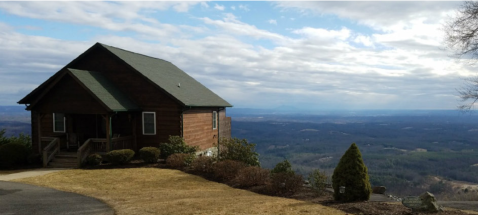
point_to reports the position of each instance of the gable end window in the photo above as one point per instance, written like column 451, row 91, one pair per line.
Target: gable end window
column 214, row 120
column 149, row 123
column 59, row 123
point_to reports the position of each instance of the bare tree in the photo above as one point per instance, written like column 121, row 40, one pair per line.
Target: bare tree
column 461, row 36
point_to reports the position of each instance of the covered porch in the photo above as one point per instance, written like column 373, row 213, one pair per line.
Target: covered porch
column 80, row 135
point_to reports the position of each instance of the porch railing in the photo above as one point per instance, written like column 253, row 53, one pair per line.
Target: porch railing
column 122, row 142
column 51, row 149
column 98, row 145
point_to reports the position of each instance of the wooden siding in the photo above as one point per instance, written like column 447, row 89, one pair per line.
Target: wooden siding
column 67, row 96
column 146, row 95
column 224, row 125
column 198, row 128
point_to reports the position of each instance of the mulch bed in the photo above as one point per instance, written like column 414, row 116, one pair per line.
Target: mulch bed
column 306, row 194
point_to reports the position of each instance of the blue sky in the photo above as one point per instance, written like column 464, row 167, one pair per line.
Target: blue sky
column 307, row 55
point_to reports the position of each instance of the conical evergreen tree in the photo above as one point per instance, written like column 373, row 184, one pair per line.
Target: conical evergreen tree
column 351, row 173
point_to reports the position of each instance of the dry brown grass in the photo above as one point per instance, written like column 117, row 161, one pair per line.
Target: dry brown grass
column 164, row 191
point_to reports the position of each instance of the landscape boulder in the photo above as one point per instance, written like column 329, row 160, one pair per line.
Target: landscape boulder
column 426, row 202
column 379, row 190
column 429, row 202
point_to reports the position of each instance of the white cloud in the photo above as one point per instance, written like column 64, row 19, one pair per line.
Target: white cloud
column 272, row 21
column 400, row 65
column 219, row 7
column 244, row 7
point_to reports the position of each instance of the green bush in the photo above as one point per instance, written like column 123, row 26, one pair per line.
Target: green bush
column 13, row 154
column 176, row 145
column 121, row 156
column 284, row 183
column 149, row 154
column 226, row 170
column 180, row 160
column 283, row 167
column 251, row 176
column 238, row 150
column 203, row 164
column 3, row 140
column 94, row 159
column 23, row 139
column 352, row 173
column 318, row 180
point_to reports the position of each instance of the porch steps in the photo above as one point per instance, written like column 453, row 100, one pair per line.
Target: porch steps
column 64, row 160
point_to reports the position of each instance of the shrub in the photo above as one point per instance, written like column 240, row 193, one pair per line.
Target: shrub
column 352, row 173
column 203, row 164
column 251, row 176
column 284, row 183
column 180, row 160
column 13, row 154
column 318, row 181
column 176, row 145
column 283, row 167
column 238, row 150
column 121, row 156
column 149, row 154
column 23, row 139
column 94, row 159
column 3, row 140
column 226, row 170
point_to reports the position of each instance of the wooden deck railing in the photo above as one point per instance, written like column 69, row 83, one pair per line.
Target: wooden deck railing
column 122, row 143
column 98, row 145
column 51, row 149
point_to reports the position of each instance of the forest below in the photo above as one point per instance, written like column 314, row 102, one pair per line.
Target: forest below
column 401, row 149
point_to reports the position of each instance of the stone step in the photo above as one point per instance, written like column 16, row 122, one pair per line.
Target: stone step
column 64, row 160
column 54, row 164
column 66, row 155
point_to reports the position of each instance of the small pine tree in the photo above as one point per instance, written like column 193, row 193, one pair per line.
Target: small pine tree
column 352, row 173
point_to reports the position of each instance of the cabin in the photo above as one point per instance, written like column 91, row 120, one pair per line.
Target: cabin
column 109, row 98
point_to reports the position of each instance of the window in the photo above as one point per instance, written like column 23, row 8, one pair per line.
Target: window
column 59, row 122
column 149, row 123
column 214, row 120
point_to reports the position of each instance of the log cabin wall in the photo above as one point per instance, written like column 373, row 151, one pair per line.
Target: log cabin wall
column 197, row 128
column 147, row 96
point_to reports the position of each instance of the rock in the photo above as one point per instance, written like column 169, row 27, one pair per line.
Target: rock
column 426, row 202
column 379, row 190
column 429, row 202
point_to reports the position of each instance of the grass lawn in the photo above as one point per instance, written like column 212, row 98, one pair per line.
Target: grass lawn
column 164, row 191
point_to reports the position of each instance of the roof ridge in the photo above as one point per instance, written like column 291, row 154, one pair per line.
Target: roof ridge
column 134, row 52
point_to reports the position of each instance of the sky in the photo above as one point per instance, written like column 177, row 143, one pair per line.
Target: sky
column 313, row 55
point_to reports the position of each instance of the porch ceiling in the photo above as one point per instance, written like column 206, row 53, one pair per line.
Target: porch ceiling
column 104, row 90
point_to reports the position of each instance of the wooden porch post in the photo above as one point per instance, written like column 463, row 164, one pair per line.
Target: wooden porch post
column 39, row 116
column 134, row 132
column 108, row 132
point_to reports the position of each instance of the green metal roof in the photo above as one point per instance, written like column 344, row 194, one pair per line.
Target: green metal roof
column 171, row 79
column 104, row 90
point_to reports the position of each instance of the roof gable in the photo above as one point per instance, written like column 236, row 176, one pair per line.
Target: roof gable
column 104, row 90
column 171, row 79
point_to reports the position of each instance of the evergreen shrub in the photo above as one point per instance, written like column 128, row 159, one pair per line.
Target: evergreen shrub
column 121, row 156
column 175, row 145
column 351, row 173
column 94, row 159
column 317, row 181
column 238, row 150
column 283, row 167
column 13, row 154
column 149, row 154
